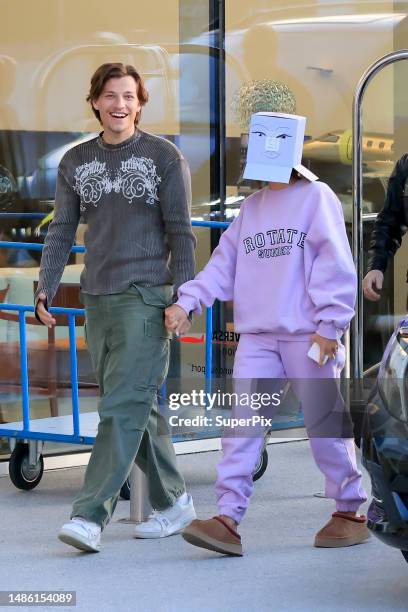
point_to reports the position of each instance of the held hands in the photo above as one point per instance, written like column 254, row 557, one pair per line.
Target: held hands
column 373, row 280
column 45, row 317
column 327, row 347
column 176, row 320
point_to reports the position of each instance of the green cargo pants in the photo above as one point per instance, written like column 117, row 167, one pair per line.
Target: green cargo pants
column 129, row 346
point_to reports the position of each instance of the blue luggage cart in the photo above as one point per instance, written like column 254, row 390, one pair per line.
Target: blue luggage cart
column 27, row 437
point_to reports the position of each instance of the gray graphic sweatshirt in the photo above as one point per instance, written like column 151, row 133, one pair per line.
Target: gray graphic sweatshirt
column 135, row 198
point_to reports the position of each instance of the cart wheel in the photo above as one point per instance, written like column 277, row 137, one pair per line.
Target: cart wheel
column 405, row 555
column 125, row 490
column 22, row 475
column 261, row 467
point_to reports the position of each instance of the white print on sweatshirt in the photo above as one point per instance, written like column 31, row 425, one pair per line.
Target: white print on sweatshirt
column 137, row 175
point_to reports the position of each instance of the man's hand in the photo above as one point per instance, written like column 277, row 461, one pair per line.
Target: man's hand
column 327, row 347
column 45, row 317
column 176, row 320
column 373, row 280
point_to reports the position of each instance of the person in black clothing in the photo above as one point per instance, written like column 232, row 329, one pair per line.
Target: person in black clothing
column 390, row 226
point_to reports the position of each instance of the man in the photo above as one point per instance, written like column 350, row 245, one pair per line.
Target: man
column 390, row 226
column 133, row 191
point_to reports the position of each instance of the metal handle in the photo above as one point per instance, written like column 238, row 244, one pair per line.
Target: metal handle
column 357, row 325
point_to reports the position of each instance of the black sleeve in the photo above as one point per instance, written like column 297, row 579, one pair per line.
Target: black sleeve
column 390, row 225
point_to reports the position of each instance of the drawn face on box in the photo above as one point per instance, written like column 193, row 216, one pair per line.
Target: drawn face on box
column 275, row 146
column 273, row 138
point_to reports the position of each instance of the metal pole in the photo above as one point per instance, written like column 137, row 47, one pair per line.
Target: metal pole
column 357, row 325
column 208, row 350
column 74, row 373
column 140, row 507
column 25, row 393
column 221, row 107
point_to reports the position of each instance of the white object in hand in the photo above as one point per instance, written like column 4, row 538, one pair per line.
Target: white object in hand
column 314, row 353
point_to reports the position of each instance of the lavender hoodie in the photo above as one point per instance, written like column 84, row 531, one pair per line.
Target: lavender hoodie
column 286, row 263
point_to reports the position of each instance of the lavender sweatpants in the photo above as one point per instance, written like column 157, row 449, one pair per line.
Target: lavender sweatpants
column 263, row 356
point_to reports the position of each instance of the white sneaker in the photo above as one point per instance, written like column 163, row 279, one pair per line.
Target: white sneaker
column 82, row 534
column 161, row 524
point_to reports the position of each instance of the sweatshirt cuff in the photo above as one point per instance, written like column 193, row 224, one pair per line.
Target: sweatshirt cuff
column 329, row 331
column 189, row 305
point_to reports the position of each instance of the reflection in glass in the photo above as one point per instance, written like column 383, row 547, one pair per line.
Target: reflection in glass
column 46, row 61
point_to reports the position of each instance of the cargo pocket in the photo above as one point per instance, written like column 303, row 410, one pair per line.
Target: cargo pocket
column 160, row 296
column 156, row 329
column 157, row 342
